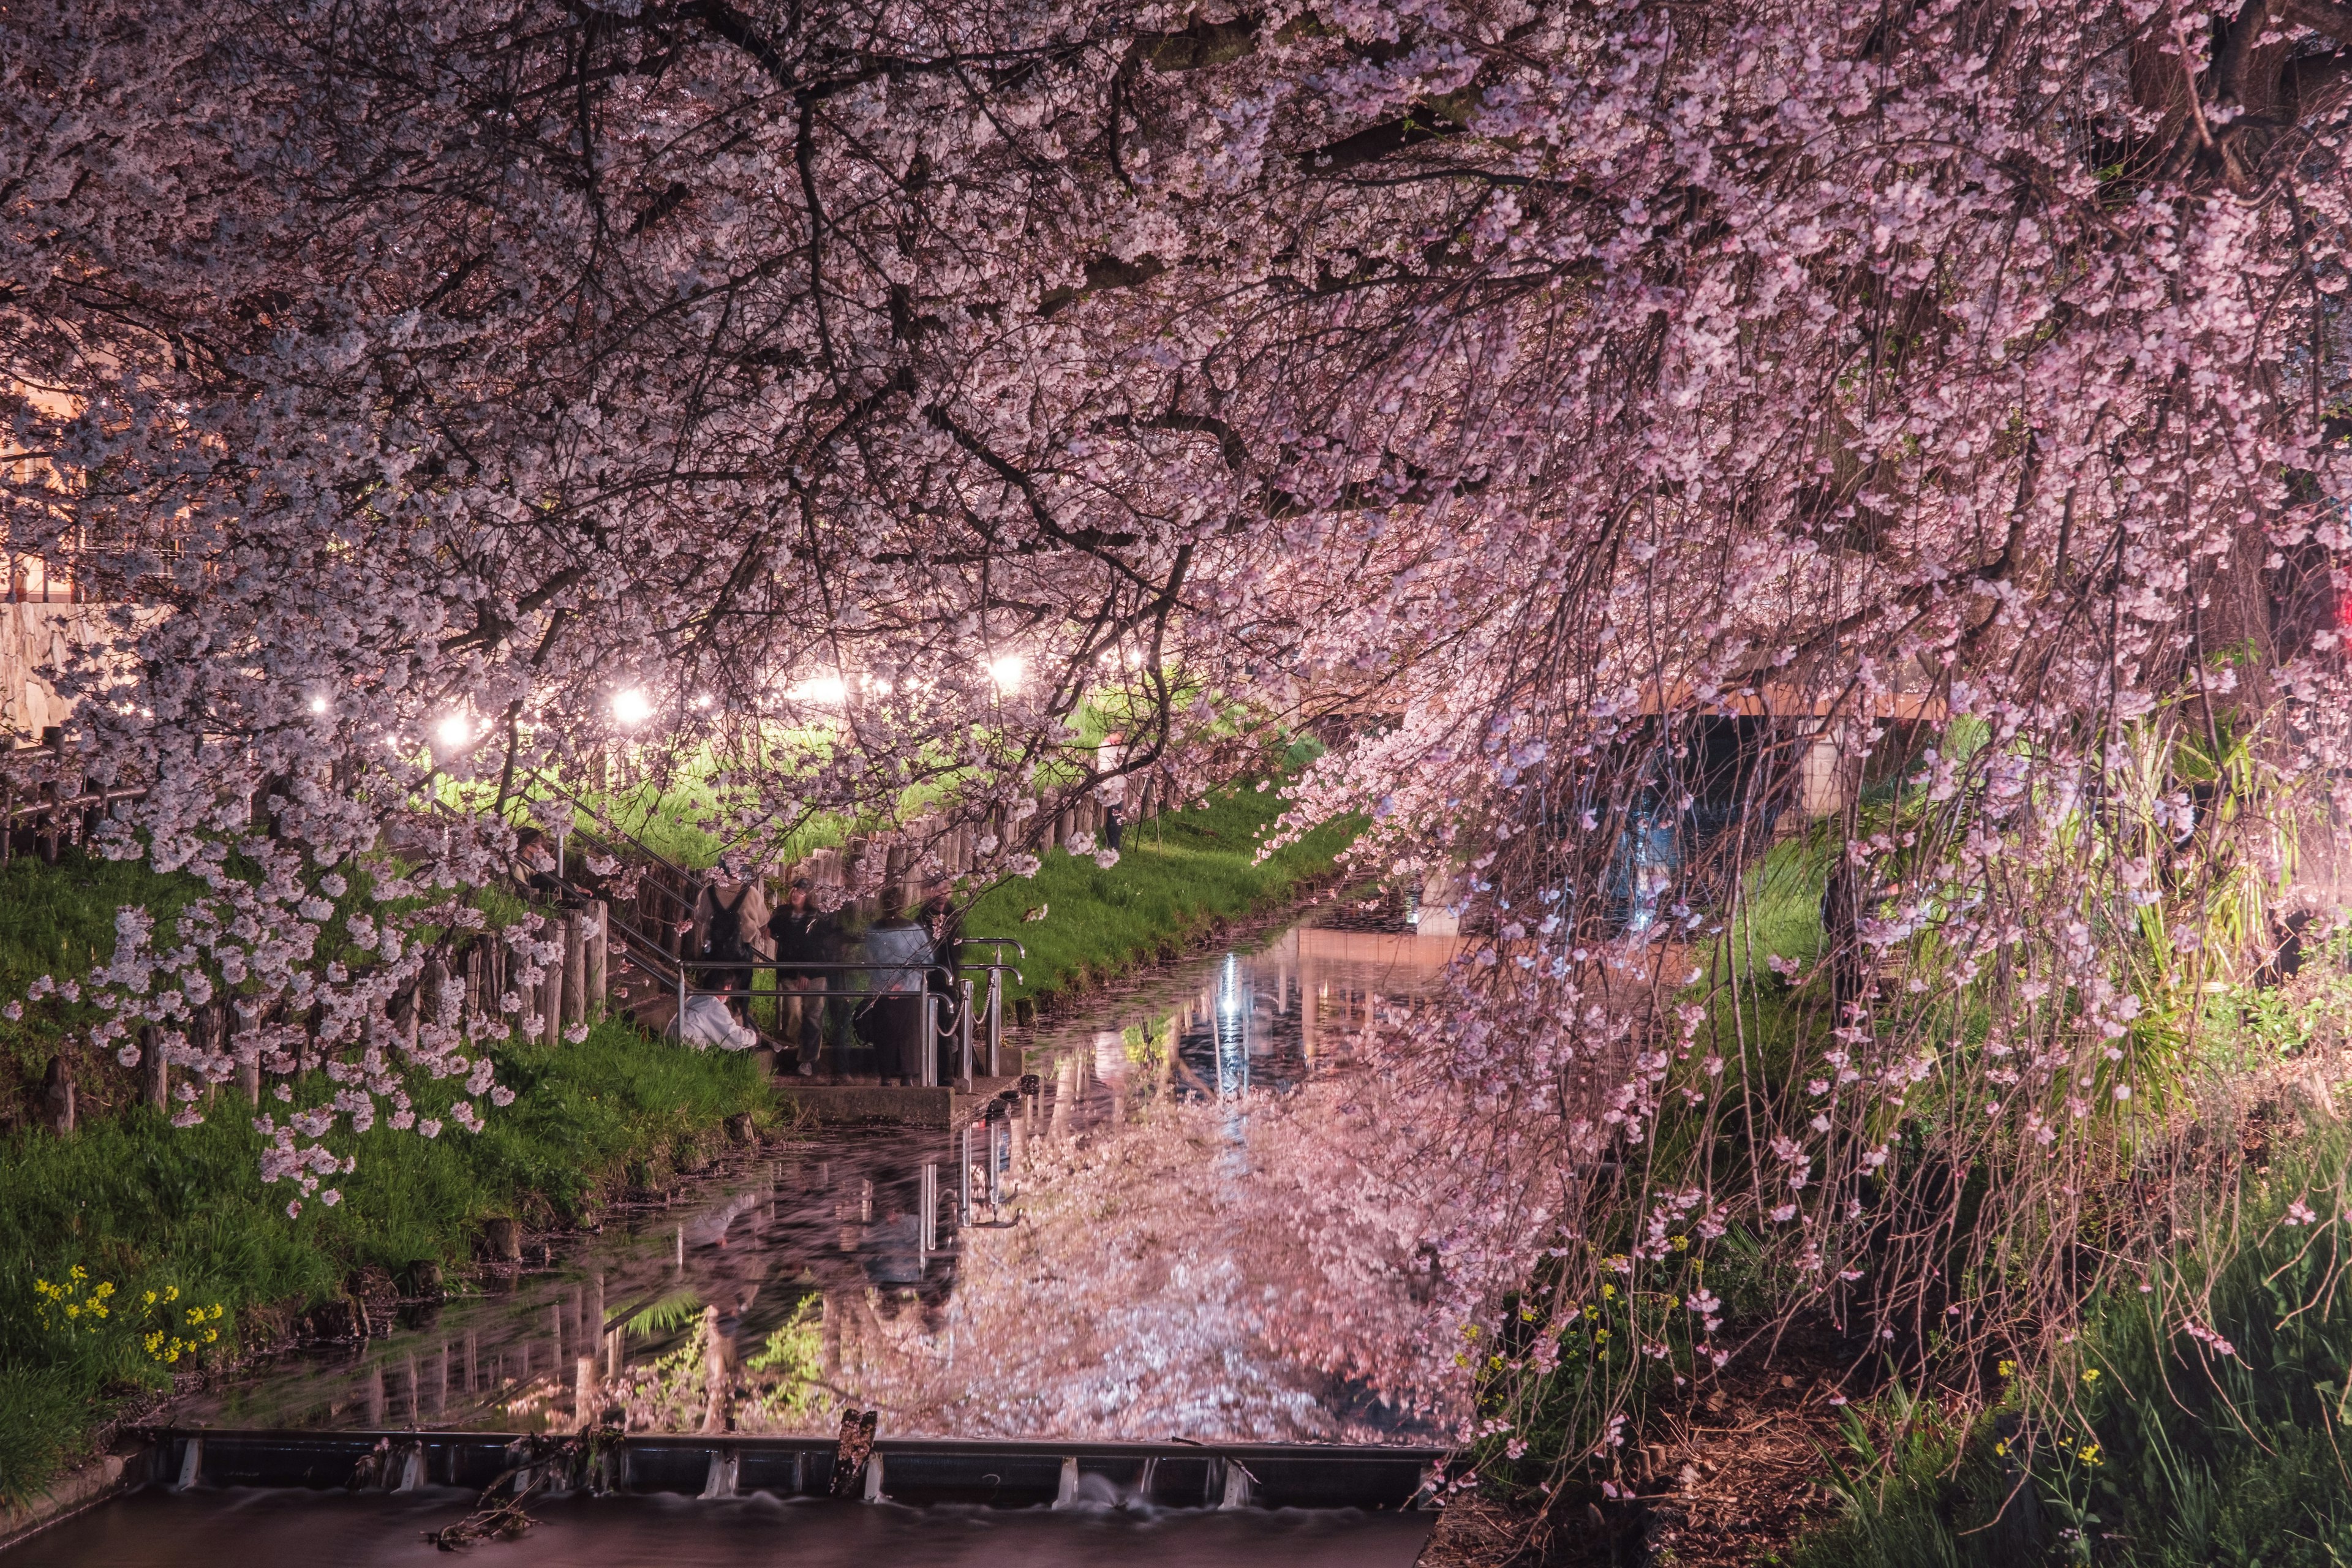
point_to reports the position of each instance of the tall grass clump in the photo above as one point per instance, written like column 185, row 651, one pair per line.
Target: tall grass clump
column 2200, row 1420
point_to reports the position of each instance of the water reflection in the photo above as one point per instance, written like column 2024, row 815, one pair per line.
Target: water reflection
column 1120, row 1254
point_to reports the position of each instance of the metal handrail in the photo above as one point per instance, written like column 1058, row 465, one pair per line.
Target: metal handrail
column 999, row 943
column 648, row 851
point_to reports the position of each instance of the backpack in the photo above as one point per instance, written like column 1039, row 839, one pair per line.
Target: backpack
column 725, row 942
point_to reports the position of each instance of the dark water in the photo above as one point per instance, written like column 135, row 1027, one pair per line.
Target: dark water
column 269, row 1529
column 1093, row 1262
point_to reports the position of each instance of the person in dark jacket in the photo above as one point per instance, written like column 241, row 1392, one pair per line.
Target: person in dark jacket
column 803, row 935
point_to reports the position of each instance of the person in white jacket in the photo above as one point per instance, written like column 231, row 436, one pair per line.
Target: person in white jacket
column 705, row 1021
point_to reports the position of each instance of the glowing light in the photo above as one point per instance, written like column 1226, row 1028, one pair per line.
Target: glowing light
column 826, row 690
column 319, row 703
column 632, row 708
column 1008, row 671
column 702, row 700
column 454, row 730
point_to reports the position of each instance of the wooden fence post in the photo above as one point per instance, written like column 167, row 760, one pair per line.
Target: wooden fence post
column 57, row 1090
column 433, row 987
column 471, row 966
column 551, row 1000
column 154, row 1072
column 598, row 955
column 575, row 968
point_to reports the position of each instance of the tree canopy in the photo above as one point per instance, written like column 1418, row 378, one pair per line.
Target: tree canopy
column 1515, row 380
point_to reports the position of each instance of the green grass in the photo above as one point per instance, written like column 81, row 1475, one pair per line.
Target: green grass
column 1176, row 875
column 59, row 920
column 144, row 1207
column 2239, row 1461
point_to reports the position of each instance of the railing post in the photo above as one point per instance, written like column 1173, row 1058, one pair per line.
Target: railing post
column 995, row 1019
column 929, row 1203
column 964, row 1030
column 930, row 1038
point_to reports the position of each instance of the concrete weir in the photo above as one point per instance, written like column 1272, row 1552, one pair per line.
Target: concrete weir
column 911, row 1471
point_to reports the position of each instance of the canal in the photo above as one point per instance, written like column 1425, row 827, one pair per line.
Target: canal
column 1152, row 1246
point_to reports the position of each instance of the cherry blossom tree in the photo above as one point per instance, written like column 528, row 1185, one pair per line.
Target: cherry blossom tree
column 1522, row 384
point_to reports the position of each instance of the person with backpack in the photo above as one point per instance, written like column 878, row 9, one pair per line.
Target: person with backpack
column 733, row 920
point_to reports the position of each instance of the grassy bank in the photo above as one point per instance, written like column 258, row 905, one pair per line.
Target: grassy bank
column 1179, row 874
column 2153, row 1446
column 59, row 920
column 139, row 1206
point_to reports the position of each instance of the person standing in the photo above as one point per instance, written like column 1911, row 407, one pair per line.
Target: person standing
column 898, row 954
column 803, row 936
column 1110, row 760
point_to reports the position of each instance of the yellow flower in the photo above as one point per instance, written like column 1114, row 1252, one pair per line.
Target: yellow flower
column 1680, row 1244
column 1609, row 1292
column 2090, row 1376
column 2001, row 1446
column 2089, row 1454
column 2007, row 1369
